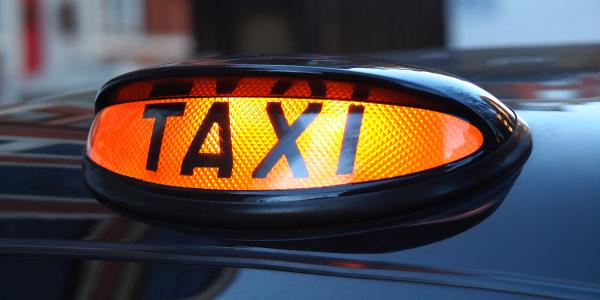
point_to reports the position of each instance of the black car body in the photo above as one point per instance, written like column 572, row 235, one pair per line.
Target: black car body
column 540, row 241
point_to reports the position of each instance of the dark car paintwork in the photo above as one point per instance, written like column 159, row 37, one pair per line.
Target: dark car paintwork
column 58, row 242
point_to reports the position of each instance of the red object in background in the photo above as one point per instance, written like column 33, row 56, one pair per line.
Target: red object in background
column 32, row 37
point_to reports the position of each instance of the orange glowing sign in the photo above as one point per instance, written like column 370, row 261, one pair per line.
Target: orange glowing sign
column 268, row 143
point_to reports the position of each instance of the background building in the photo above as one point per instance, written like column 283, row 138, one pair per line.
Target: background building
column 50, row 46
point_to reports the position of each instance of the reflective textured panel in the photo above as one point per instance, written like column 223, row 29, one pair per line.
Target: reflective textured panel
column 274, row 143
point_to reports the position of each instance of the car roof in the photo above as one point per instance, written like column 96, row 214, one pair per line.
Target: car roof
column 541, row 240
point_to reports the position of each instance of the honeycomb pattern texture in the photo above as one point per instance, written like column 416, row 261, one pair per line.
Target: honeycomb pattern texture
column 261, row 87
column 393, row 141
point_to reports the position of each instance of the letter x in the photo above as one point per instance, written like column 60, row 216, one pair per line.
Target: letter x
column 287, row 135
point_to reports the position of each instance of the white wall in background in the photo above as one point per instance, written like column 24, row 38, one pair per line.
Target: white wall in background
column 10, row 51
column 505, row 23
column 106, row 38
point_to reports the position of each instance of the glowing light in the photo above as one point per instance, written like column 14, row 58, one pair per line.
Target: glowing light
column 382, row 141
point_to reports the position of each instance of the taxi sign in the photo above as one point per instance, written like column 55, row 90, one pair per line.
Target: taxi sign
column 246, row 143
column 257, row 141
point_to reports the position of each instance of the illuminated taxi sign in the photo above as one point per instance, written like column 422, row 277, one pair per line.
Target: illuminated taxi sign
column 262, row 144
column 241, row 143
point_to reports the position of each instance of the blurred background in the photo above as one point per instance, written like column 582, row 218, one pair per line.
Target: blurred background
column 55, row 46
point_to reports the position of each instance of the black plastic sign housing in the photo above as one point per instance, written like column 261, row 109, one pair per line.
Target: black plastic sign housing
column 270, row 213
